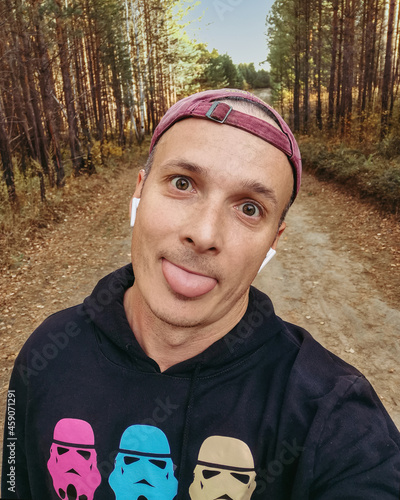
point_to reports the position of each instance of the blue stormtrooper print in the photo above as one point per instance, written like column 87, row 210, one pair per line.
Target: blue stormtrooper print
column 143, row 466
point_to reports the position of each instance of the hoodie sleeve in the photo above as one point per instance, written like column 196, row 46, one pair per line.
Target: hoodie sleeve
column 15, row 480
column 358, row 455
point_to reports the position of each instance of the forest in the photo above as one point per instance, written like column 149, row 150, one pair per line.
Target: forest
column 74, row 74
column 341, row 55
column 81, row 81
column 335, row 72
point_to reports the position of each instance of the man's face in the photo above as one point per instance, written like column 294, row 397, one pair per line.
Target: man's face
column 209, row 212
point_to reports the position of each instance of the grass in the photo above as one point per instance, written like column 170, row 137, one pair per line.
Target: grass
column 373, row 176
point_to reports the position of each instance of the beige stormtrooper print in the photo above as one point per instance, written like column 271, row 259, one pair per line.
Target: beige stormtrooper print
column 224, row 470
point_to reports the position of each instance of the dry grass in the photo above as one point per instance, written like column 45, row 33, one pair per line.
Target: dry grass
column 20, row 224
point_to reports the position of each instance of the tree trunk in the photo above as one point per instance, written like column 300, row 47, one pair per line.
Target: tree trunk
column 348, row 68
column 98, row 87
column 306, row 79
column 47, row 91
column 296, row 88
column 36, row 117
column 369, row 59
column 387, row 72
column 362, row 57
column 90, row 60
column 140, row 127
column 396, row 62
column 5, row 152
column 319, row 69
column 339, row 84
column 335, row 30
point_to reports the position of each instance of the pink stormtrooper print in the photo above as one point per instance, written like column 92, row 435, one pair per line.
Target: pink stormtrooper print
column 73, row 460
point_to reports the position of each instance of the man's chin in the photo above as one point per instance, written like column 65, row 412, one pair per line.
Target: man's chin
column 179, row 320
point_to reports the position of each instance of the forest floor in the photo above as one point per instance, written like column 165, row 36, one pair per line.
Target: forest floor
column 336, row 273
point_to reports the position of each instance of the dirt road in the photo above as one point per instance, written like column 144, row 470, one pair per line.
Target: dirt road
column 337, row 273
column 323, row 280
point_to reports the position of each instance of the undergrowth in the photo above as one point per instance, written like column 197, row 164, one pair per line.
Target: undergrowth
column 374, row 176
column 21, row 223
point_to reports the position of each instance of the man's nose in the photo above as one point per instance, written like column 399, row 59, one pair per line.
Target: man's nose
column 204, row 228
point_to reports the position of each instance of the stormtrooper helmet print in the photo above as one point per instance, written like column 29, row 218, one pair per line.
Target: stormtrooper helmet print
column 224, row 470
column 73, row 460
column 143, row 466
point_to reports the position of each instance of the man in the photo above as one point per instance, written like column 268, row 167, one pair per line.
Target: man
column 177, row 366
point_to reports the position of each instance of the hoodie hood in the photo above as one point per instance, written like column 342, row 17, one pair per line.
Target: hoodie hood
column 105, row 309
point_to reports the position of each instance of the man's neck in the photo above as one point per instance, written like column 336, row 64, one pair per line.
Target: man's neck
column 170, row 344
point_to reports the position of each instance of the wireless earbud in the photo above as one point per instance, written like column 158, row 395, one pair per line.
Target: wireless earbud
column 270, row 254
column 135, row 204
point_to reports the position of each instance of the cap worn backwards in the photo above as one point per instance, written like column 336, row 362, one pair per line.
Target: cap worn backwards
column 208, row 105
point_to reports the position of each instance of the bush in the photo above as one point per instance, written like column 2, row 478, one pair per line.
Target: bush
column 390, row 147
column 375, row 177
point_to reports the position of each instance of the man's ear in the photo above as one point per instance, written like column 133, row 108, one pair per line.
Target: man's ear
column 282, row 227
column 139, row 184
column 136, row 196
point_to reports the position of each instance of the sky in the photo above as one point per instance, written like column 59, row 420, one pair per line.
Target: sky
column 235, row 27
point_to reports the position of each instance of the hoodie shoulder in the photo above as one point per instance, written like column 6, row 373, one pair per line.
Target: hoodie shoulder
column 59, row 328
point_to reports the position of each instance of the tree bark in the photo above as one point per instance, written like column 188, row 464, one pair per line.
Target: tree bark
column 47, row 91
column 335, row 30
column 319, row 68
column 387, row 72
column 348, row 67
column 5, row 152
column 296, row 88
column 306, row 79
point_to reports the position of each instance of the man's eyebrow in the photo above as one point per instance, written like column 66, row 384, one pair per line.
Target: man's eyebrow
column 259, row 188
column 186, row 165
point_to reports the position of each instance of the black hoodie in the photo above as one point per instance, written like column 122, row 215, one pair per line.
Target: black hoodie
column 264, row 413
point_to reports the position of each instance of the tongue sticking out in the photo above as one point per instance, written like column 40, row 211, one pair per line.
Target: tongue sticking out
column 185, row 283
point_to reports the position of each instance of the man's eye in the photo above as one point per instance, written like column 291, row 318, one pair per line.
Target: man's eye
column 250, row 209
column 182, row 183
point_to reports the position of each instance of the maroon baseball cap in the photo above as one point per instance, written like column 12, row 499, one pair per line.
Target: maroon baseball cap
column 207, row 105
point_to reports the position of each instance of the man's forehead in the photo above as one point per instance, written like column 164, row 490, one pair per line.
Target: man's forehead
column 192, row 132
